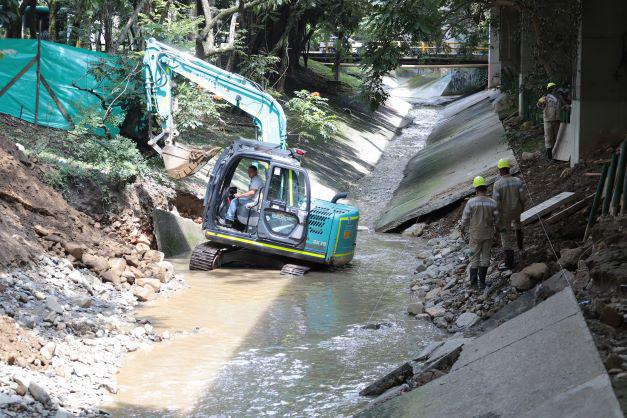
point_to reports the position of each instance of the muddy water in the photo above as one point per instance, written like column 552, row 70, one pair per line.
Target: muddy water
column 254, row 343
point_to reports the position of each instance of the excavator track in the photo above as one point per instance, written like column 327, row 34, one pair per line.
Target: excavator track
column 294, row 270
column 206, row 257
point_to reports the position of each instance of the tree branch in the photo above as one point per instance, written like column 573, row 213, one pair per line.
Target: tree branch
column 128, row 25
column 224, row 13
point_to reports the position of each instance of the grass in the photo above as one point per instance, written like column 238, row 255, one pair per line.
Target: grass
column 348, row 75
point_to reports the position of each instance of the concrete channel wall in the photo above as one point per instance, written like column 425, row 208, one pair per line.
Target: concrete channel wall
column 466, row 142
column 542, row 363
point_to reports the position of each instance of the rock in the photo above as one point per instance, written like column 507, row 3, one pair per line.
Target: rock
column 111, row 276
column 83, row 301
column 39, row 393
column 62, row 413
column 467, row 320
column 428, row 350
column 153, row 256
column 22, row 385
column 425, row 377
column 423, row 255
column 415, row 308
column 117, row 266
column 435, row 311
column 154, row 283
column 75, row 249
column 521, row 281
column 420, row 268
column 141, row 248
column 455, row 234
column 536, row 271
column 144, row 293
column 613, row 361
column 132, row 260
column 569, row 257
column 110, row 387
column 528, row 155
column 40, row 295
column 433, row 293
column 422, row 317
column 47, row 351
column 163, row 270
column 41, row 231
column 415, row 230
column 53, row 304
column 95, row 262
column 609, row 315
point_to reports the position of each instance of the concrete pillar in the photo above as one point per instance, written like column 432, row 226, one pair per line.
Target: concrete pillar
column 599, row 109
column 494, row 60
column 526, row 59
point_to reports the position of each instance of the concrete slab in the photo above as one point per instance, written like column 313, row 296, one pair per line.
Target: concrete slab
column 505, row 373
column 466, row 142
column 175, row 235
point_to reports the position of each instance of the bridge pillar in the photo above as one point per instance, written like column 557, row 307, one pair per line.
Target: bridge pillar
column 494, row 60
column 526, row 61
column 599, row 107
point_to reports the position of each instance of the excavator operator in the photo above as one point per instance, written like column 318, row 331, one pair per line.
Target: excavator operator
column 244, row 198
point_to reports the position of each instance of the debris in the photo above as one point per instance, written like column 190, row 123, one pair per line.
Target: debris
column 569, row 257
column 415, row 230
column 532, row 214
column 536, row 271
column 396, row 377
column 415, row 308
column 521, row 281
column 570, row 209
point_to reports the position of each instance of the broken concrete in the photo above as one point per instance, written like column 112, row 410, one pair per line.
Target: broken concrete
column 466, row 142
column 502, row 373
column 176, row 235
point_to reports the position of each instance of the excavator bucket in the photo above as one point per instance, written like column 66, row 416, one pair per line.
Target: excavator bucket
column 181, row 161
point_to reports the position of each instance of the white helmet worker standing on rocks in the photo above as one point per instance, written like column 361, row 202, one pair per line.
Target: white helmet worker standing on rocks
column 508, row 192
column 551, row 105
column 480, row 217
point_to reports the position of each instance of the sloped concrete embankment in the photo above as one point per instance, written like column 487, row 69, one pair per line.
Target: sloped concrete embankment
column 541, row 363
column 466, row 142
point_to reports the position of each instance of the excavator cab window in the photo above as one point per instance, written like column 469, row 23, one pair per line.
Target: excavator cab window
column 285, row 205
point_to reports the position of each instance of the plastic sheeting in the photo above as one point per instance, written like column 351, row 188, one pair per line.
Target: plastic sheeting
column 63, row 68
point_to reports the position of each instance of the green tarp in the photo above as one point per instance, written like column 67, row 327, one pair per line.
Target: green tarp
column 64, row 70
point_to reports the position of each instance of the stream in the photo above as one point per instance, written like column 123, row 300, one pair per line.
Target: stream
column 254, row 343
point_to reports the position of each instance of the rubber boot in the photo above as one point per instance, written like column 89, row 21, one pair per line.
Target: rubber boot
column 549, row 154
column 483, row 272
column 519, row 239
column 509, row 259
column 473, row 277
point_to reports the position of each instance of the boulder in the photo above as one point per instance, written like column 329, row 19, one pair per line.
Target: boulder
column 153, row 256
column 569, row 257
column 435, row 311
column 536, row 271
column 155, row 284
column 117, row 265
column 75, row 249
column 48, row 350
column 95, row 262
column 141, row 248
column 415, row 308
column 163, row 270
column 41, row 231
column 528, row 155
column 112, row 277
column 433, row 293
column 39, row 393
column 415, row 230
column 132, row 260
column 609, row 315
column 83, row 301
column 420, row 268
column 521, row 281
column 467, row 320
column 53, row 304
column 143, row 239
column 144, row 293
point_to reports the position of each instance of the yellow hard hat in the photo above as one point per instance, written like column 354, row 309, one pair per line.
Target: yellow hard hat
column 551, row 84
column 503, row 163
column 542, row 99
column 478, row 181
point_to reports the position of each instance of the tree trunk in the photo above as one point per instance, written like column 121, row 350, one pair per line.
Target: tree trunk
column 132, row 19
column 338, row 56
column 54, row 25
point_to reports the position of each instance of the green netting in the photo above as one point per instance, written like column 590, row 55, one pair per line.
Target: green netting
column 63, row 68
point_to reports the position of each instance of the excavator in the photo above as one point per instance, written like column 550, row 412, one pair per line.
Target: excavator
column 282, row 222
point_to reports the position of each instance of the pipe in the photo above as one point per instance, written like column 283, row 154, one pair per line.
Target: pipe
column 338, row 196
column 609, row 186
column 623, row 207
column 620, row 179
column 595, row 202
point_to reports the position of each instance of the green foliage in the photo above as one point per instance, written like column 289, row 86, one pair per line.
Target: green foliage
column 309, row 116
column 195, row 107
column 170, row 22
column 261, row 68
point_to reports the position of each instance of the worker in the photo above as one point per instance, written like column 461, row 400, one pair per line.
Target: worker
column 551, row 105
column 508, row 192
column 245, row 198
column 480, row 217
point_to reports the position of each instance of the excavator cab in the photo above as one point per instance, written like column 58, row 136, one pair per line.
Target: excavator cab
column 281, row 219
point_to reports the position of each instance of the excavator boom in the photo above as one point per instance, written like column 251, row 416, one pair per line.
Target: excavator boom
column 160, row 62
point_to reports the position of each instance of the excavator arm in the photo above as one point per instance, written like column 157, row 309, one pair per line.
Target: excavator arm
column 161, row 61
